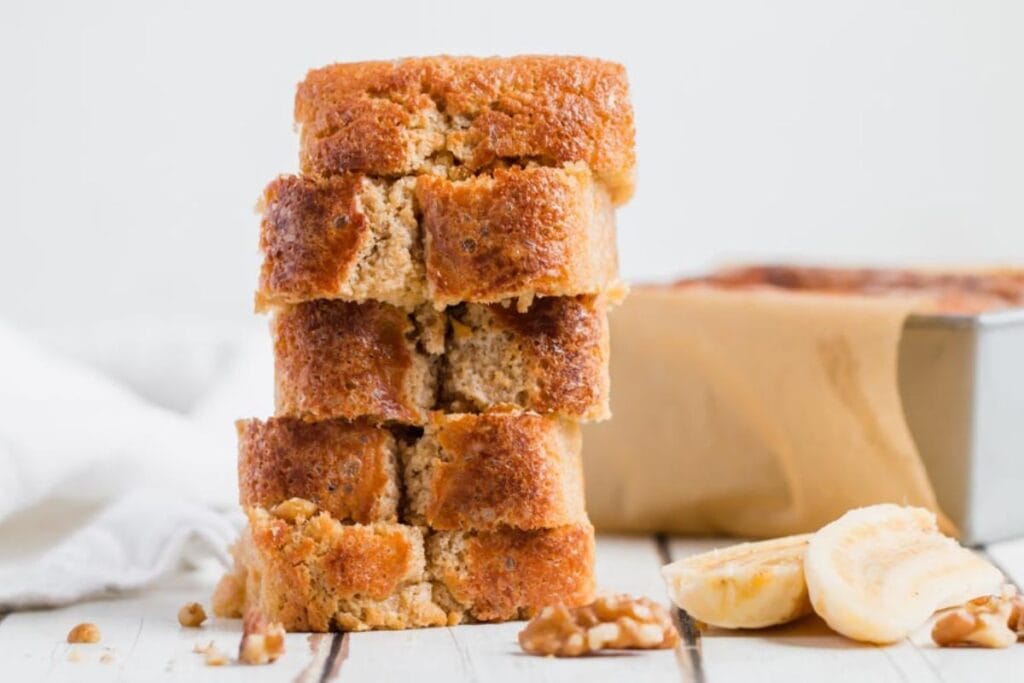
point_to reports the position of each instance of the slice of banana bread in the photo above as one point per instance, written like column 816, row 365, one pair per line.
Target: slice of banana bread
column 471, row 472
column 312, row 573
column 346, row 237
column 553, row 358
column 518, row 232
column 465, row 114
column 350, row 360
column 515, row 233
column 375, row 361
column 348, row 469
column 510, row 573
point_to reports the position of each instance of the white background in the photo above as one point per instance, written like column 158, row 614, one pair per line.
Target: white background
column 136, row 137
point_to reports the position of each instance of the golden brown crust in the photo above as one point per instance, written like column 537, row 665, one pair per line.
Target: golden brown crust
column 347, row 469
column 399, row 117
column 519, row 232
column 511, row 574
column 311, row 235
column 349, row 360
column 551, row 358
column 963, row 292
column 499, row 468
column 344, row 237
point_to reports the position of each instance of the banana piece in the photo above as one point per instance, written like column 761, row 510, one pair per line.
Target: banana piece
column 750, row 585
column 877, row 573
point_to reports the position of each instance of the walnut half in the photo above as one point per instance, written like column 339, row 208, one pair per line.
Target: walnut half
column 988, row 621
column 610, row 622
column 262, row 642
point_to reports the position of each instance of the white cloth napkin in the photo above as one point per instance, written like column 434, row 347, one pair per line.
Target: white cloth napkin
column 134, row 421
column 141, row 537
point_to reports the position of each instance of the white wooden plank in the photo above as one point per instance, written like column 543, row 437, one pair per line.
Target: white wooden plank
column 142, row 635
column 490, row 652
column 486, row 652
column 1009, row 555
column 147, row 643
column 630, row 564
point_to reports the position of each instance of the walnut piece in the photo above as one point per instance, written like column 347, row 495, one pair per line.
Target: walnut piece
column 192, row 615
column 262, row 642
column 84, row 633
column 610, row 622
column 294, row 508
column 988, row 621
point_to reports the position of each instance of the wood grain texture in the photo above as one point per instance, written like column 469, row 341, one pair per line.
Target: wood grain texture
column 146, row 643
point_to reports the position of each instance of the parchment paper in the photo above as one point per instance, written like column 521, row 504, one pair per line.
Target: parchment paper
column 753, row 413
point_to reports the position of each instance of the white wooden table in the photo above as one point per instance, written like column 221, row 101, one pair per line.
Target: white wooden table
column 142, row 642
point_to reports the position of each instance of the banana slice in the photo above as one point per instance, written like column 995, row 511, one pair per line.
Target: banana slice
column 750, row 585
column 877, row 573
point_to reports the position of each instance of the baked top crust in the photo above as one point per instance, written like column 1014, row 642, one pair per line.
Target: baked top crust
column 348, row 469
column 952, row 291
column 517, row 232
column 343, row 359
column 471, row 472
column 551, row 358
column 430, row 114
column 510, row 574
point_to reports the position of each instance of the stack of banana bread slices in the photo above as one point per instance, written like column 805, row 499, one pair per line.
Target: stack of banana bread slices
column 438, row 279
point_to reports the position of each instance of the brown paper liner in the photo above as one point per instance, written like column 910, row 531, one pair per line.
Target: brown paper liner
column 752, row 413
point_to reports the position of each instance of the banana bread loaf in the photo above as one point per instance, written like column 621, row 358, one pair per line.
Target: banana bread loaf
column 457, row 115
column 513, row 233
column 347, row 469
column 346, row 237
column 470, row 472
column 313, row 573
column 553, row 358
column 941, row 291
column 517, row 233
column 510, row 573
column 343, row 359
column 375, row 361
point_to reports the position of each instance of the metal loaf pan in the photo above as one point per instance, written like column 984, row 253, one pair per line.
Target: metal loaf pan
column 962, row 385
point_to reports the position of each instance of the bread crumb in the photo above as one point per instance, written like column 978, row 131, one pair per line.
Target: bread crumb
column 74, row 655
column 215, row 657
column 84, row 633
column 262, row 641
column 192, row 615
